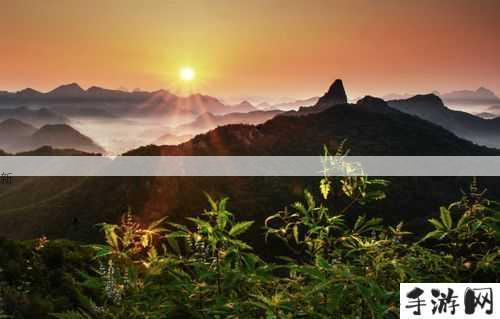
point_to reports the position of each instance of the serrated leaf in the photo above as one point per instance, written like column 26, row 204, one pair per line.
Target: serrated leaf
column 240, row 228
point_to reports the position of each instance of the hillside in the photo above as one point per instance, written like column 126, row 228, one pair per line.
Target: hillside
column 431, row 107
column 13, row 128
column 50, row 151
column 13, row 131
column 21, row 137
column 64, row 136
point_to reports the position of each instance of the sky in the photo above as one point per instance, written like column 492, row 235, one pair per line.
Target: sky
column 273, row 48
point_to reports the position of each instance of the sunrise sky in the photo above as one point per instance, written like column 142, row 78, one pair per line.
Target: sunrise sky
column 255, row 47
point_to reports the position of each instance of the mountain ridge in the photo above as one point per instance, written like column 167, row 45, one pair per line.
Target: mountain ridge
column 17, row 136
column 431, row 108
column 371, row 127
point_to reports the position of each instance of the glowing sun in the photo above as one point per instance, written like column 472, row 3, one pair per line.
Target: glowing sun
column 187, row 73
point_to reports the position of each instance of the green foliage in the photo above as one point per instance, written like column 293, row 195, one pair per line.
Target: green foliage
column 40, row 277
column 337, row 265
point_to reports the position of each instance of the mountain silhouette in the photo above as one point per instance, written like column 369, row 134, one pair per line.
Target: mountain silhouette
column 13, row 128
column 335, row 95
column 37, row 117
column 63, row 136
column 287, row 106
column 431, row 108
column 26, row 93
column 156, row 104
column 16, row 136
column 50, row 151
column 72, row 90
column 371, row 127
column 13, row 131
column 481, row 96
column 243, row 107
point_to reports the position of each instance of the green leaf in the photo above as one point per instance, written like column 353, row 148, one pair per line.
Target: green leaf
column 102, row 250
column 240, row 228
column 436, row 234
column 213, row 204
column 446, row 218
column 174, row 245
column 296, row 233
column 180, row 227
column 310, row 200
column 436, row 223
column 157, row 223
column 325, row 187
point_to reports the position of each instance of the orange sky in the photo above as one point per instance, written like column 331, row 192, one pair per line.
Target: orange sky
column 253, row 47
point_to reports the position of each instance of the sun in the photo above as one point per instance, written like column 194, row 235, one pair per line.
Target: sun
column 187, row 73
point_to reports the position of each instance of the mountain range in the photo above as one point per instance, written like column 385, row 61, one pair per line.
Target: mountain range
column 481, row 96
column 72, row 206
column 431, row 108
column 37, row 117
column 288, row 106
column 71, row 98
column 16, row 136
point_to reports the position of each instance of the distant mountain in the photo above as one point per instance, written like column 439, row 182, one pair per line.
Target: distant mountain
column 154, row 105
column 431, row 108
column 28, row 93
column 72, row 90
column 63, row 136
column 50, row 151
column 371, row 127
column 78, row 111
column 335, row 95
column 37, row 117
column 14, row 131
column 163, row 104
column 13, row 128
column 243, row 107
column 16, row 136
column 481, row 96
column 396, row 96
column 287, row 106
column 208, row 121
column 404, row 96
column 264, row 106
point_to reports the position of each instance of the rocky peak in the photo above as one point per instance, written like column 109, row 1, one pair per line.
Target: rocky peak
column 335, row 95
